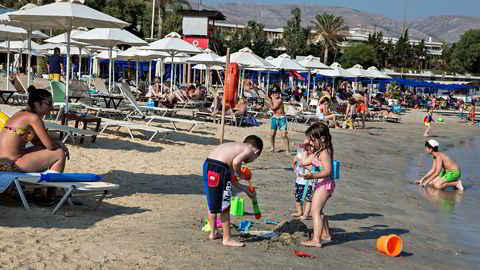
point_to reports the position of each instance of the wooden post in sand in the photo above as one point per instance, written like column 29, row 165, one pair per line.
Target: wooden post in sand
column 222, row 131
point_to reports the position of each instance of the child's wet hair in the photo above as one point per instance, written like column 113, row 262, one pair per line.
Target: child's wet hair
column 320, row 133
column 255, row 142
column 434, row 149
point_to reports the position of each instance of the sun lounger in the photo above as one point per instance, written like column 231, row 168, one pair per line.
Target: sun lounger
column 72, row 189
column 142, row 111
column 391, row 119
column 106, row 122
column 125, row 89
column 12, row 95
column 71, row 132
column 58, row 90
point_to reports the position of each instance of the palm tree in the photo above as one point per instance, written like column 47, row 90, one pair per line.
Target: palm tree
column 162, row 6
column 329, row 30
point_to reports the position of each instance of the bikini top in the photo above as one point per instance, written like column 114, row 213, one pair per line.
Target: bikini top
column 25, row 133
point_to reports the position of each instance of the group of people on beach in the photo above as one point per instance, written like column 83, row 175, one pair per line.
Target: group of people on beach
column 223, row 167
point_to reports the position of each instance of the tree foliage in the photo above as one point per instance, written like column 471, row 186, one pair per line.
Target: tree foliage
column 362, row 54
column 329, row 30
column 295, row 37
column 465, row 56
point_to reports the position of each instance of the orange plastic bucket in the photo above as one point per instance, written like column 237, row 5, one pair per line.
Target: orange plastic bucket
column 391, row 245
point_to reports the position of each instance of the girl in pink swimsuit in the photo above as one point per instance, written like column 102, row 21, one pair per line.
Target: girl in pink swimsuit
column 319, row 142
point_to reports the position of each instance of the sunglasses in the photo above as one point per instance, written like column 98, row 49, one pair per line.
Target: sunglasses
column 48, row 103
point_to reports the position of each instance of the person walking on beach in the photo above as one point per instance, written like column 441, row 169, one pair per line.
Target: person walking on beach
column 318, row 142
column 220, row 171
column 279, row 121
column 55, row 65
column 427, row 120
column 444, row 173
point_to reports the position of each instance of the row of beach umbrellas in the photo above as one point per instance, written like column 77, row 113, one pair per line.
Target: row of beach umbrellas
column 108, row 32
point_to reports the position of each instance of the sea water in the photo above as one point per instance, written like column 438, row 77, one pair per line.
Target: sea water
column 458, row 212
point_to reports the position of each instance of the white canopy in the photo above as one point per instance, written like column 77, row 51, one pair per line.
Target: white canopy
column 284, row 61
column 358, row 71
column 335, row 71
column 172, row 44
column 204, row 67
column 21, row 45
column 377, row 74
column 207, row 57
column 311, row 63
column 60, row 15
column 245, row 57
column 62, row 38
column 104, row 55
column 177, row 59
column 11, row 33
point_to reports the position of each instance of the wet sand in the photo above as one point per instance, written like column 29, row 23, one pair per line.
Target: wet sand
column 154, row 220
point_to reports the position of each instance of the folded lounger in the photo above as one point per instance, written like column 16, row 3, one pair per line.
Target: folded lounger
column 71, row 188
column 106, row 122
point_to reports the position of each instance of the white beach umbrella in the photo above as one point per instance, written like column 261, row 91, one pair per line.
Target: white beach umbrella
column 62, row 39
column 377, row 74
column 60, row 15
column 11, row 33
column 336, row 71
column 137, row 54
column 284, row 61
column 246, row 58
column 21, row 45
column 359, row 72
column 173, row 44
column 208, row 58
column 204, row 67
column 311, row 63
column 110, row 37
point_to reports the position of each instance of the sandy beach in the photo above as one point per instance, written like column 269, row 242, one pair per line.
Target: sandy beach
column 154, row 220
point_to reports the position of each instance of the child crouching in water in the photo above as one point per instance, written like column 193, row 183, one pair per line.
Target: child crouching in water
column 301, row 163
column 318, row 142
column 219, row 171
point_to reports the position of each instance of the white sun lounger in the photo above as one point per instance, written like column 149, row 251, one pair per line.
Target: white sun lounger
column 70, row 131
column 125, row 89
column 143, row 110
column 106, row 122
column 72, row 189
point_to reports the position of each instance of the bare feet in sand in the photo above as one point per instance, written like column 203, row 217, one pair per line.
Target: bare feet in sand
column 311, row 243
column 214, row 236
column 271, row 150
column 460, row 186
column 297, row 215
column 233, row 243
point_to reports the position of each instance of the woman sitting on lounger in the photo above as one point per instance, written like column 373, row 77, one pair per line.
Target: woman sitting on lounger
column 27, row 126
column 323, row 112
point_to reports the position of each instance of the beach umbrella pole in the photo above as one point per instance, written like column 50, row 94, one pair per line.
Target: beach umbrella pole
column 110, row 70
column 171, row 75
column 136, row 77
column 150, row 72
column 29, row 63
column 68, row 71
column 268, row 80
column 219, row 77
column 80, row 64
column 8, row 64
column 222, row 131
column 308, row 87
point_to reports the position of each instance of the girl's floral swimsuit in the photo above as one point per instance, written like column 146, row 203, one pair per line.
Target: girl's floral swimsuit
column 326, row 183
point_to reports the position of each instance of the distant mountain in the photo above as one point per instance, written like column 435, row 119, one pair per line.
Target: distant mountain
column 440, row 28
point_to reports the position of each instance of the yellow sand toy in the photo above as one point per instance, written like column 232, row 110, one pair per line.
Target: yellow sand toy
column 3, row 120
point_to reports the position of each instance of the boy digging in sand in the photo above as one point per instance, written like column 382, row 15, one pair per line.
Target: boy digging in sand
column 444, row 173
column 219, row 171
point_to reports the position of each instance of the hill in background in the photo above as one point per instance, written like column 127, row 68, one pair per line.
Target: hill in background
column 440, row 28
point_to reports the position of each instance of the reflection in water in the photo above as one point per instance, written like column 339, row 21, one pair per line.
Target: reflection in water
column 444, row 200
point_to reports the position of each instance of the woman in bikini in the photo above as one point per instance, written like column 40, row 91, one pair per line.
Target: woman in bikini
column 27, row 126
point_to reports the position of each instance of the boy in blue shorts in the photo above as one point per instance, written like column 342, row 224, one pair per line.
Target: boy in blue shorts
column 221, row 170
column 279, row 121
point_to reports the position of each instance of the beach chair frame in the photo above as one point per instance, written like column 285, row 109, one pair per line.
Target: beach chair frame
column 82, row 188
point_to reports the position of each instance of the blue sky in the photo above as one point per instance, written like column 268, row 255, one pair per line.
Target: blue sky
column 389, row 8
